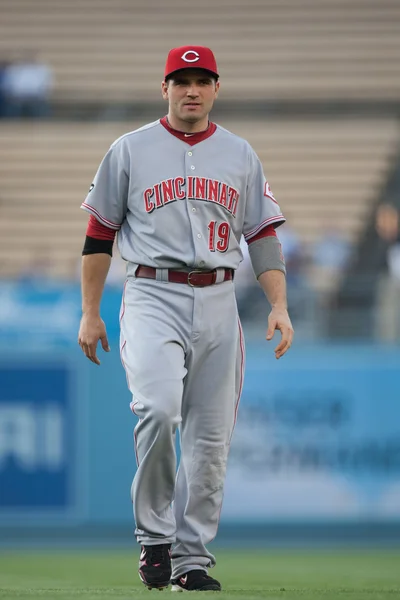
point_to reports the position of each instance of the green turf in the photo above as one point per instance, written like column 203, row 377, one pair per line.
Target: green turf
column 272, row 575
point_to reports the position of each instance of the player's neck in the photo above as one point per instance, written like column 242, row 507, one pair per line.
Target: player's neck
column 184, row 127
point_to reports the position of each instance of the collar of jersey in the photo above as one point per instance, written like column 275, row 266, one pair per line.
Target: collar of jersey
column 191, row 139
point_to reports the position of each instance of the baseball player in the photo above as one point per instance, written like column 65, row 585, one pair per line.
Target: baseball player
column 180, row 192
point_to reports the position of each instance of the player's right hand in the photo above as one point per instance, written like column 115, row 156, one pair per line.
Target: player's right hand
column 91, row 330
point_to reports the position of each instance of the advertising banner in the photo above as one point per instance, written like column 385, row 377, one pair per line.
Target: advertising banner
column 320, row 443
column 38, row 439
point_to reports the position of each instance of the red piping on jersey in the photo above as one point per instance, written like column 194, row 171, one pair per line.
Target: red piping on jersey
column 268, row 231
column 277, row 219
column 97, row 230
column 192, row 138
column 242, row 357
column 96, row 213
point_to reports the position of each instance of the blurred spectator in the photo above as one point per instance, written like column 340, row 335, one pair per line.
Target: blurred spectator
column 329, row 255
column 26, row 88
column 3, row 68
column 387, row 224
column 332, row 250
column 300, row 295
column 293, row 252
column 388, row 229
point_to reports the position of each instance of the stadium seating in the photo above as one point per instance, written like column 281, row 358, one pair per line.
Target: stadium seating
column 321, row 171
column 266, row 49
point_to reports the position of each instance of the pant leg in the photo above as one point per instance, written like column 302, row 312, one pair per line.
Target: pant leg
column 153, row 356
column 212, row 390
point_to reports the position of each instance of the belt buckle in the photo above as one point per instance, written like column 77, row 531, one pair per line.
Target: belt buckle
column 195, row 272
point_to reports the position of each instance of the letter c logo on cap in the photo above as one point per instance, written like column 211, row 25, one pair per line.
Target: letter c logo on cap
column 190, row 60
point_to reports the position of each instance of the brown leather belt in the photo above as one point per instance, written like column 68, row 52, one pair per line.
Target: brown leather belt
column 194, row 278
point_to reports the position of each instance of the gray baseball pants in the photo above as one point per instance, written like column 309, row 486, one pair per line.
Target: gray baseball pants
column 183, row 352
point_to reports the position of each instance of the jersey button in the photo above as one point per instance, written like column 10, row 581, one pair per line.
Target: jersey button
column 190, row 153
column 201, row 263
column 193, row 167
column 199, row 235
column 193, row 209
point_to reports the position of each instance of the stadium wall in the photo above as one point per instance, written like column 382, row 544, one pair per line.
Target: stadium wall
column 317, row 439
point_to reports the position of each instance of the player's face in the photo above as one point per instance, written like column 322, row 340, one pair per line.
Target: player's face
column 191, row 96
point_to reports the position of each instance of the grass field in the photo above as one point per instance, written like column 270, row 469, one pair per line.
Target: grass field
column 280, row 575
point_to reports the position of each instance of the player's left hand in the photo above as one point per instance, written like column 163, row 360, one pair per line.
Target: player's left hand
column 279, row 319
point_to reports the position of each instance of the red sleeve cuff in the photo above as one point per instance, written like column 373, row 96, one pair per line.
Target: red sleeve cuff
column 268, row 231
column 97, row 230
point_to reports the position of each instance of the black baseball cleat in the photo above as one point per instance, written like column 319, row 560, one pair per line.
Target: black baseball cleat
column 195, row 581
column 155, row 566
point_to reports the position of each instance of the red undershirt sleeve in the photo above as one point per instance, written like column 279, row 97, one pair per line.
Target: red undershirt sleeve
column 97, row 230
column 268, row 231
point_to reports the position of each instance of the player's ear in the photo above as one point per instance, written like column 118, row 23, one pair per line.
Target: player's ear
column 164, row 90
column 216, row 88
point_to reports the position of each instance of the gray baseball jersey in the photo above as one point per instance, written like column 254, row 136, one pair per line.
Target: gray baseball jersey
column 181, row 206
column 178, row 206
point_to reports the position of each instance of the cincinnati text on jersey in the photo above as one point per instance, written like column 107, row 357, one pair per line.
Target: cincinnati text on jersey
column 191, row 188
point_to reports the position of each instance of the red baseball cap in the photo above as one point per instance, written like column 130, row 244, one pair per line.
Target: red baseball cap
column 190, row 57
